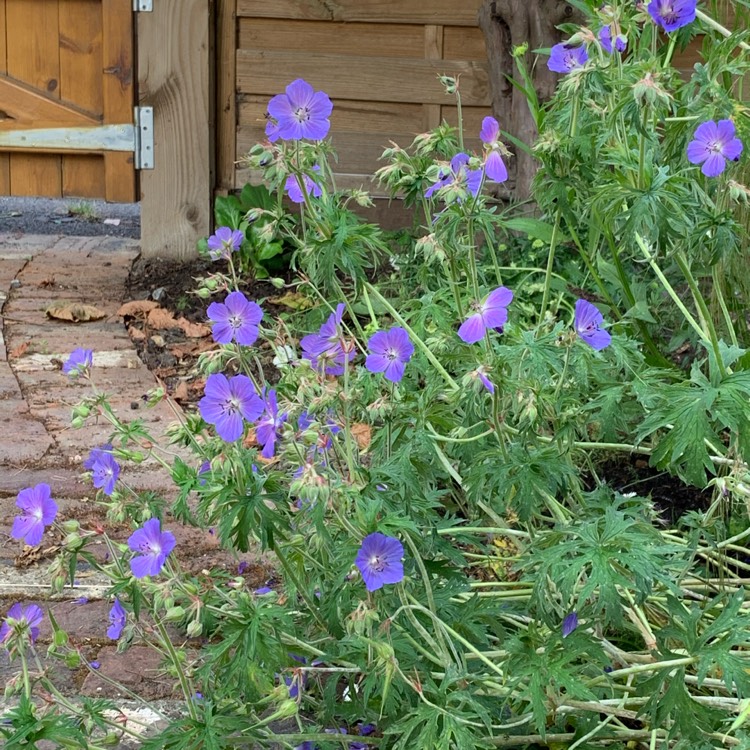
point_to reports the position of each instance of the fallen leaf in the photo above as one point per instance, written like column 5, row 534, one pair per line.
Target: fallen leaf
column 193, row 330
column 192, row 348
column 181, row 392
column 19, row 351
column 136, row 334
column 74, row 311
column 136, row 307
column 362, row 434
column 159, row 318
column 293, row 300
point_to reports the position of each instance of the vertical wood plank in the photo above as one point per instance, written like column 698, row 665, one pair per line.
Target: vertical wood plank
column 33, row 56
column 226, row 94
column 174, row 78
column 83, row 176
column 4, row 159
column 118, row 93
column 433, row 50
column 81, row 84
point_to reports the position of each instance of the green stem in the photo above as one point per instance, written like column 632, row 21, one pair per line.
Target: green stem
column 700, row 302
column 298, row 585
column 187, row 690
column 459, row 112
column 723, row 304
column 716, row 26
column 550, row 264
column 692, row 322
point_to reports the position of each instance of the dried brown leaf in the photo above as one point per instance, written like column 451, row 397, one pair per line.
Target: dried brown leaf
column 362, row 434
column 193, row 330
column 74, row 311
column 137, row 307
column 161, row 319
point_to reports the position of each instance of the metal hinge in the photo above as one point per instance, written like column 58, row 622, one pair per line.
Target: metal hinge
column 144, row 6
column 137, row 138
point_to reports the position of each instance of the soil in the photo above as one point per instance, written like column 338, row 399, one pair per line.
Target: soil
column 170, row 348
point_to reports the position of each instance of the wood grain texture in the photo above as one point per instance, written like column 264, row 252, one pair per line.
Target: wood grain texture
column 348, row 77
column 4, row 158
column 433, row 50
column 464, row 43
column 80, row 82
column 118, row 94
column 370, row 39
column 173, row 65
column 226, row 93
column 33, row 57
column 379, row 118
column 449, row 12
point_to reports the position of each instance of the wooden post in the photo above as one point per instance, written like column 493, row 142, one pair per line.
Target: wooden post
column 174, row 66
column 226, row 94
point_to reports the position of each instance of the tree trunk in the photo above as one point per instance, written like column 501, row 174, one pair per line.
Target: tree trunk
column 507, row 24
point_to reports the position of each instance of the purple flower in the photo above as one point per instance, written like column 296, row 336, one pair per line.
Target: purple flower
column 117, row 619
column 379, row 560
column 672, row 14
column 459, row 178
column 605, row 38
column 325, row 349
column 587, row 322
column 263, row 590
column 38, row 510
column 492, row 313
column 713, row 144
column 268, row 427
column 79, row 362
column 101, row 463
column 563, row 58
column 494, row 167
column 236, row 318
column 227, row 402
column 94, row 664
column 311, row 187
column 154, row 546
column 570, row 623
column 203, row 469
column 22, row 620
column 300, row 113
column 481, row 375
column 223, row 242
column 389, row 352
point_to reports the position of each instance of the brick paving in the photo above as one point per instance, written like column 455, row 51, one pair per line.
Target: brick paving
column 37, row 443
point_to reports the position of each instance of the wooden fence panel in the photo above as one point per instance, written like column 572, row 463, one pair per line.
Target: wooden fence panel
column 448, row 12
column 59, row 58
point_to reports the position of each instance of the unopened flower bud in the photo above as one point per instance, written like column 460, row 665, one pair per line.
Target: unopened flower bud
column 173, row 614
column 70, row 526
column 450, row 83
column 73, row 542
column 194, row 629
column 277, row 283
column 72, row 659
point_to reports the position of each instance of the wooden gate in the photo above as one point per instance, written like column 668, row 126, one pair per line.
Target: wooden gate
column 66, row 64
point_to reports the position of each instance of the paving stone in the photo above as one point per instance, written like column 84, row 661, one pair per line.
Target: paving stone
column 26, row 439
column 139, row 669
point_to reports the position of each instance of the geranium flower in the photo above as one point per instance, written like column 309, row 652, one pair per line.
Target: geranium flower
column 379, row 560
column 672, row 14
column 389, row 352
column 236, row 318
column 492, row 313
column 564, row 57
column 325, row 350
column 78, row 363
column 24, row 620
column 269, row 426
column 311, row 187
column 570, row 623
column 101, row 463
column 459, row 177
column 587, row 322
column 38, row 511
column 117, row 619
column 300, row 113
column 223, row 242
column 713, row 144
column 605, row 38
column 227, row 402
column 494, row 167
column 154, row 546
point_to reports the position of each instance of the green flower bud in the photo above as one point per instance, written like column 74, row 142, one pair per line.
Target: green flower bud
column 174, row 614
column 73, row 542
column 72, row 660
column 194, row 629
column 70, row 526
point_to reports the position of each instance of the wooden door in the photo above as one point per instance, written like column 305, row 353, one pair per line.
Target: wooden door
column 66, row 64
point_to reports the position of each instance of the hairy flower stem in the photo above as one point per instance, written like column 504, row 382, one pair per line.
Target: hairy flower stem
column 187, row 689
column 550, row 265
column 692, row 322
column 723, row 30
column 413, row 336
column 642, row 150
column 700, row 302
column 459, row 112
column 716, row 277
column 348, row 444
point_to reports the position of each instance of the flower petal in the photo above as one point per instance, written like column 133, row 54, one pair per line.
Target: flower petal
column 472, row 329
